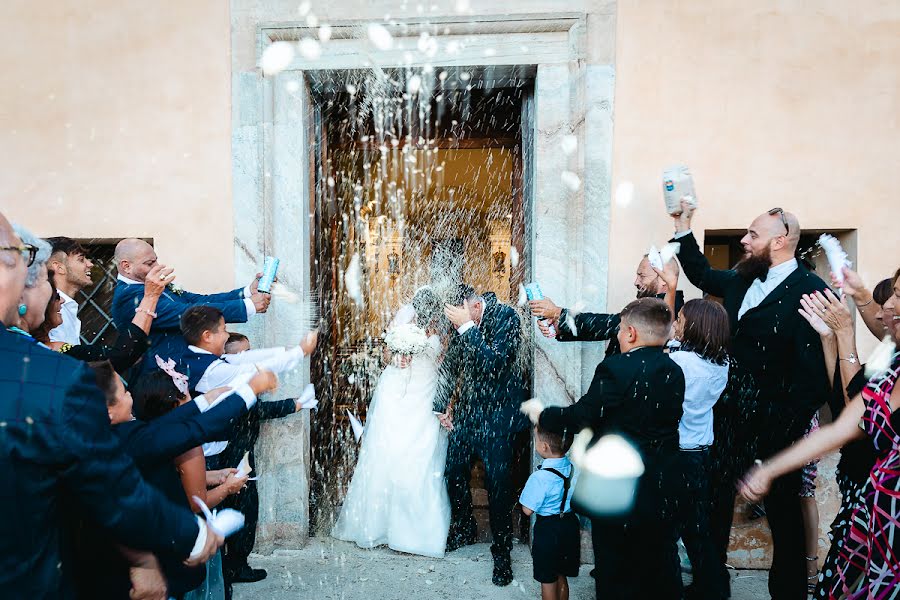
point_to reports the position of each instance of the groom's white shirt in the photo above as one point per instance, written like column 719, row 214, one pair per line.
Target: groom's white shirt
column 470, row 324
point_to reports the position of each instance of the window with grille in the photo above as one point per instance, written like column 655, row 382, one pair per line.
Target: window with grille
column 95, row 302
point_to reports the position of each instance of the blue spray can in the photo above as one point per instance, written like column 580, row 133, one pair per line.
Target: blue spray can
column 270, row 270
column 533, row 292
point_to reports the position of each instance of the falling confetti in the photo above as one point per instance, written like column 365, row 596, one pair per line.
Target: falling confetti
column 310, row 49
column 523, row 296
column 380, row 37
column 276, row 58
column 571, row 180
column 324, row 33
column 513, row 257
column 570, row 323
column 356, row 425
column 624, row 193
column 569, row 144
column 352, row 280
column 292, row 86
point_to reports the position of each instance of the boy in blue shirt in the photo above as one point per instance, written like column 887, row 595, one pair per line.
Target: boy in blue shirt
column 556, row 545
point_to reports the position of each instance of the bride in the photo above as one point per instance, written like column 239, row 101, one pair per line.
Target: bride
column 397, row 495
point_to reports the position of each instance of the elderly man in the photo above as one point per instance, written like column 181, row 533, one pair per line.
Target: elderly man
column 134, row 259
column 71, row 273
column 57, row 451
column 598, row 327
column 776, row 383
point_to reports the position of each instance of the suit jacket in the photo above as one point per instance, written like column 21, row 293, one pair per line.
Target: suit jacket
column 57, row 451
column 772, row 343
column 165, row 333
column 640, row 396
column 153, row 446
column 599, row 327
column 481, row 375
column 130, row 346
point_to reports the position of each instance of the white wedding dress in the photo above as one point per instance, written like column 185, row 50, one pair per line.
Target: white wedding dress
column 397, row 496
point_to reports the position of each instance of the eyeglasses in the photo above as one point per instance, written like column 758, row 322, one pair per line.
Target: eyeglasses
column 780, row 212
column 27, row 250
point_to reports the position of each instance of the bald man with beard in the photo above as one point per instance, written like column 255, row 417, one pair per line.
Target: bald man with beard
column 57, row 454
column 134, row 260
column 777, row 380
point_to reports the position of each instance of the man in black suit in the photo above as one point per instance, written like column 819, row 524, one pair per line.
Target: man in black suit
column 481, row 390
column 601, row 327
column 637, row 394
column 776, row 383
column 56, row 449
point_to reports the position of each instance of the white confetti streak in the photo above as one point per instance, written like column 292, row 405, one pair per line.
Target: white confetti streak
column 569, row 144
column 352, row 278
column 310, row 49
column 571, row 180
column 276, row 58
column 324, row 33
column 624, row 193
column 513, row 257
column 380, row 37
column 880, row 359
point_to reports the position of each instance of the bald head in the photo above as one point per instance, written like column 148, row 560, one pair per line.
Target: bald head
column 13, row 270
column 134, row 258
column 775, row 233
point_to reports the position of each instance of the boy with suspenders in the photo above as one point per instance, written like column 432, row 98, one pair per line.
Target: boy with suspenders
column 556, row 544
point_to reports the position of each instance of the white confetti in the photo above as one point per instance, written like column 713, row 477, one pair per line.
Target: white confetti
column 352, row 280
column 351, row 89
column 624, row 193
column 462, row 6
column 571, row 180
column 570, row 323
column 523, row 297
column 380, row 37
column 837, row 258
column 569, row 144
column 310, row 49
column 276, row 58
column 356, row 425
column 324, row 33
column 513, row 257
column 414, row 84
column 292, row 86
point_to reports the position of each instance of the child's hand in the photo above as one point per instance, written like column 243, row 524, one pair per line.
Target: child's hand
column 533, row 408
column 309, row 342
column 264, row 381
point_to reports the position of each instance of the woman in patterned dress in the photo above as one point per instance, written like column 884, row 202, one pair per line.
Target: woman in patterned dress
column 868, row 554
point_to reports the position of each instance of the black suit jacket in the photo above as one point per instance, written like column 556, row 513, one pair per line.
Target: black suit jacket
column 638, row 395
column 772, row 343
column 56, row 449
column 481, row 374
column 600, row 327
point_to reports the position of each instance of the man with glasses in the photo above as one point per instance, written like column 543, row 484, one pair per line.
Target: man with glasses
column 776, row 383
column 57, row 452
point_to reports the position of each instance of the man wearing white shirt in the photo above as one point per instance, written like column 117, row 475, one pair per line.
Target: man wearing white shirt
column 776, row 383
column 71, row 270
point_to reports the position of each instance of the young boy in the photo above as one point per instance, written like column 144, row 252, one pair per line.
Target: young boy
column 556, row 544
column 237, row 343
column 637, row 394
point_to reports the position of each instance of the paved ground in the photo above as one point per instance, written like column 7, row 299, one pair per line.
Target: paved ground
column 331, row 570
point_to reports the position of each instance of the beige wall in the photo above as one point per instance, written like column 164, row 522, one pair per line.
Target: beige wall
column 783, row 103
column 116, row 121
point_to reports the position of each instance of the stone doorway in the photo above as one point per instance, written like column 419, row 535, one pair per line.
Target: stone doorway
column 417, row 181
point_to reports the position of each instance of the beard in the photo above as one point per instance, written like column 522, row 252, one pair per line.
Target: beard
column 643, row 292
column 755, row 266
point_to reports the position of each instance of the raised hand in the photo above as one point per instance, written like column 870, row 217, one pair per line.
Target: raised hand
column 852, row 285
column 545, row 309
column 683, row 219
column 214, row 541
column 309, row 342
column 157, row 279
column 458, row 315
column 833, row 311
column 533, row 409
column 264, row 381
column 809, row 312
column 260, row 301
column 254, row 285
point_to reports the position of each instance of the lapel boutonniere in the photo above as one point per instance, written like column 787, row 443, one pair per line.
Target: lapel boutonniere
column 175, row 288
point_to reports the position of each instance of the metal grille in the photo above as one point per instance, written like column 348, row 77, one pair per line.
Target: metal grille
column 95, row 302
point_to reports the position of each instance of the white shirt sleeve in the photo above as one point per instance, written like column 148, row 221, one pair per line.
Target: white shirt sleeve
column 251, row 308
column 224, row 374
column 465, row 327
column 244, row 391
column 253, row 356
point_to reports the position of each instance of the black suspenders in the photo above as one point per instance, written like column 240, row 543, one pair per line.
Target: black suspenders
column 566, row 482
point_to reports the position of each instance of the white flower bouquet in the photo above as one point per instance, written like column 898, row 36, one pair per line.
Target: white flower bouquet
column 407, row 339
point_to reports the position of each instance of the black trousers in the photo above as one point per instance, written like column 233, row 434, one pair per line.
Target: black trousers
column 694, row 524
column 636, row 556
column 496, row 452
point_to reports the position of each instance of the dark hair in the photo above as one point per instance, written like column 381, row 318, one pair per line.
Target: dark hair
column 706, row 330
column 234, row 337
column 883, row 291
column 154, row 395
column 197, row 319
column 650, row 316
column 559, row 442
column 67, row 246
column 106, row 376
column 461, row 293
column 42, row 331
column 428, row 307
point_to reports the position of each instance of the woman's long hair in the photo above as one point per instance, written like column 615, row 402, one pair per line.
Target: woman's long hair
column 706, row 330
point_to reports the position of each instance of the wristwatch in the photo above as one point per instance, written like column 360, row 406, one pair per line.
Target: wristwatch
column 852, row 359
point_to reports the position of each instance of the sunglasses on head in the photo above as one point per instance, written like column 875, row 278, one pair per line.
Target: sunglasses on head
column 780, row 212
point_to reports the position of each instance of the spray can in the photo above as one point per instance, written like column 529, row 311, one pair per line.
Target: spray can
column 678, row 184
column 533, row 292
column 270, row 270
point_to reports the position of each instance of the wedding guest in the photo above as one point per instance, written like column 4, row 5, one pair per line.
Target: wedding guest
column 595, row 327
column 869, row 308
column 638, row 394
column 57, row 441
column 777, row 379
column 556, row 542
column 134, row 260
column 700, row 348
column 866, row 562
column 72, row 269
column 239, row 546
column 32, row 306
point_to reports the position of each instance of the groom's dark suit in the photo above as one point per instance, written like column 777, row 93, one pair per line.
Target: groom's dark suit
column 481, row 378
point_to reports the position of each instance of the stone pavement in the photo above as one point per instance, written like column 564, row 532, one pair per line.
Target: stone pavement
column 327, row 569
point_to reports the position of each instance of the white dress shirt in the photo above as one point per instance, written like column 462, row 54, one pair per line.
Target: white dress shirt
column 760, row 289
column 704, row 382
column 70, row 330
column 235, row 370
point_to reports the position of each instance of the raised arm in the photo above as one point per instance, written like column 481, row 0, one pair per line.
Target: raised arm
column 697, row 269
column 854, row 287
column 603, row 396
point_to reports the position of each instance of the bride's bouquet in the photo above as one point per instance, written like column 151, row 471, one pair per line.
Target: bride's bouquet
column 407, row 339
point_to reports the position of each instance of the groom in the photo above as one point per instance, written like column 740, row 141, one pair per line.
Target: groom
column 481, row 388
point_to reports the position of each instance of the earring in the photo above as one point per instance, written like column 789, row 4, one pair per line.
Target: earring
column 22, row 310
